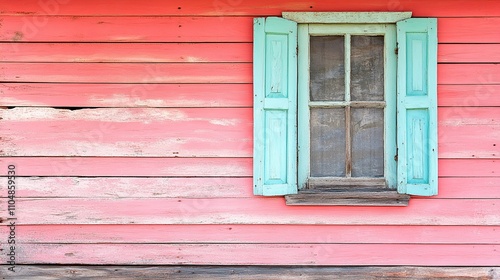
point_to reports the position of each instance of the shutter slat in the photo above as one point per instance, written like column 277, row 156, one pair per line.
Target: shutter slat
column 417, row 106
column 275, row 106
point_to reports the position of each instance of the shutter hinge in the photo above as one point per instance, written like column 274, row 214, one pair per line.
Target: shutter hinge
column 396, row 50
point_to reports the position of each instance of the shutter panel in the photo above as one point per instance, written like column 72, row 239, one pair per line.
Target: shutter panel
column 275, row 106
column 417, row 106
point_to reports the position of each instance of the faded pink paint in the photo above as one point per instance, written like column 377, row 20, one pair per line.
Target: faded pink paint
column 255, row 210
column 192, row 69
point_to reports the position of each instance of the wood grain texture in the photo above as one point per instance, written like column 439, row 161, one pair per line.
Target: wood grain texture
column 469, row 95
column 252, row 8
column 130, row 166
column 125, row 29
column 256, row 210
column 469, row 168
column 119, row 52
column 146, row 132
column 468, row 30
column 468, row 74
column 54, row 272
column 210, row 167
column 469, row 132
column 186, row 29
column 473, row 141
column 260, row 254
column 468, row 53
column 129, row 73
column 472, row 74
column 131, row 187
column 126, row 95
column 254, row 234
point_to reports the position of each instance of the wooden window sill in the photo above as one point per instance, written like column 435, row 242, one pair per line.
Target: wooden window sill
column 355, row 196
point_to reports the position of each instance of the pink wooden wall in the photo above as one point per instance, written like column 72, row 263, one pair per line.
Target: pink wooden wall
column 156, row 168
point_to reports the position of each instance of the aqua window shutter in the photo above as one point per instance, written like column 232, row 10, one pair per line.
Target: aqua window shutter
column 275, row 106
column 417, row 107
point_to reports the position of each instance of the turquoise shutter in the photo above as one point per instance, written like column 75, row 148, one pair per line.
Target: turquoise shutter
column 275, row 106
column 417, row 106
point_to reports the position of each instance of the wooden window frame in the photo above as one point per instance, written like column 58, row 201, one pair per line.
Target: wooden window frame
column 333, row 190
column 275, row 111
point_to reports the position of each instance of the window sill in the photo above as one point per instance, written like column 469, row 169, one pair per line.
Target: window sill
column 354, row 196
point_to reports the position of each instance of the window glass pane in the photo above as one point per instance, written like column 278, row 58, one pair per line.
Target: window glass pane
column 328, row 134
column 367, row 132
column 367, row 68
column 327, row 68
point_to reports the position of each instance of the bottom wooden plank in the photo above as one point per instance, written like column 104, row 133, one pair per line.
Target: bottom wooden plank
column 253, row 234
column 260, row 254
column 248, row 272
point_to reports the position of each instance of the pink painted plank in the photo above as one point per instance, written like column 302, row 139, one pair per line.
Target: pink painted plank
column 119, row 52
column 186, row 29
column 126, row 95
column 254, row 234
column 469, row 132
column 127, row 72
column 469, row 168
column 262, row 254
column 149, row 132
column 469, row 95
column 468, row 53
column 125, row 29
column 462, row 116
column 472, row 74
column 419, row 8
column 487, row 187
column 469, row 30
column 126, row 187
column 212, row 167
column 130, row 166
column 195, row 73
column 469, row 141
column 256, row 210
column 133, row 187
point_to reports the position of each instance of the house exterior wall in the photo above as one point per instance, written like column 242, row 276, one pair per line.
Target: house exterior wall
column 130, row 129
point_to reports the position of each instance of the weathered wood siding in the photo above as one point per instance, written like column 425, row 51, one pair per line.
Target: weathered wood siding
column 130, row 126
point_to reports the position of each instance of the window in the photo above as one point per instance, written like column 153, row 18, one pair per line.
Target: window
column 325, row 105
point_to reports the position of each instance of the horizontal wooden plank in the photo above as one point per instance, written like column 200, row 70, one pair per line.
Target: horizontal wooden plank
column 119, row 52
column 238, row 7
column 202, row 132
column 133, row 187
column 253, row 234
column 469, row 141
column 129, row 73
column 256, row 210
column 479, row 74
column 145, row 132
column 469, row 95
column 126, row 95
column 205, row 167
column 54, row 272
column 468, row 53
column 468, row 74
column 130, row 166
column 469, row 132
column 125, row 29
column 469, row 168
column 187, row 29
column 469, row 30
column 262, row 254
column 82, row 187
column 487, row 187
